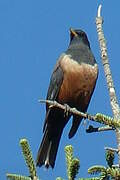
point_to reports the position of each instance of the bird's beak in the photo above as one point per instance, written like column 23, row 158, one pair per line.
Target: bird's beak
column 73, row 32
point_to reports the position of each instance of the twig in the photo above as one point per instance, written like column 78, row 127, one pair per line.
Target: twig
column 105, row 128
column 92, row 129
column 104, row 56
column 105, row 61
column 53, row 104
column 115, row 166
column 111, row 149
column 99, row 10
column 100, row 118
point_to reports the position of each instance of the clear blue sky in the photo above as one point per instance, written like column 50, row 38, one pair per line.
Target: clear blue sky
column 32, row 36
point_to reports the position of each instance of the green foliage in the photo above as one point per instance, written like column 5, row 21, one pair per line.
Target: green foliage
column 74, row 168
column 17, row 177
column 27, row 154
column 96, row 169
column 99, row 170
column 110, row 156
column 73, row 164
column 107, row 172
column 107, row 120
column 69, row 157
column 59, row 178
column 114, row 173
column 95, row 178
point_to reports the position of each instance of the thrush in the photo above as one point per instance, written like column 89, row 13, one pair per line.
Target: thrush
column 72, row 82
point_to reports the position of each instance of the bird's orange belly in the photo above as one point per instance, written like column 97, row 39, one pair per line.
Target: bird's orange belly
column 78, row 83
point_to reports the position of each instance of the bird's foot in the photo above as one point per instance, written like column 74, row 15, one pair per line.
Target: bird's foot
column 67, row 110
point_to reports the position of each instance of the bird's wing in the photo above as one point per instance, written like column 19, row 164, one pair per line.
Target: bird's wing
column 54, row 87
column 55, row 82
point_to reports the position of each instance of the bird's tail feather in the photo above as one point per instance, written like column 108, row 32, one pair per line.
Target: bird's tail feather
column 48, row 150
column 75, row 124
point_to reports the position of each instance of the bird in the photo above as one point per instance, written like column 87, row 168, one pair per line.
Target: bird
column 72, row 83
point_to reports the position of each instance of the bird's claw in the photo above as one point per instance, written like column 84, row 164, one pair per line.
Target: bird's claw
column 67, row 110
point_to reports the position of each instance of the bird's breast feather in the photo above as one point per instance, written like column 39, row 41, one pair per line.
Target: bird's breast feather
column 78, row 79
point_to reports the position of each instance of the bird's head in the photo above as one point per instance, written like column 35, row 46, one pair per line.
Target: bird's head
column 77, row 35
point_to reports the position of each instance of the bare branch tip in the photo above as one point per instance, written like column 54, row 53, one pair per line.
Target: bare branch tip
column 99, row 11
column 41, row 101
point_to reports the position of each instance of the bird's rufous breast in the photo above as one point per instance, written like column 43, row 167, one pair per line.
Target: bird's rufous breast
column 79, row 80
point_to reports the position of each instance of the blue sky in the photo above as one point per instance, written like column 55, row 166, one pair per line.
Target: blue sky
column 32, row 36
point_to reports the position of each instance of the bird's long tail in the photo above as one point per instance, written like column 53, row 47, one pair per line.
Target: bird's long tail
column 75, row 125
column 48, row 149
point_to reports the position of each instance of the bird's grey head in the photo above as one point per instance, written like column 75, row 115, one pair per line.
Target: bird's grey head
column 77, row 36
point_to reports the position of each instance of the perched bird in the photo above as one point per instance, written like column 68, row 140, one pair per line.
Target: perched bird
column 72, row 82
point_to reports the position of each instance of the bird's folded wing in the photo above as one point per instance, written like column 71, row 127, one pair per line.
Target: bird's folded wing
column 54, row 87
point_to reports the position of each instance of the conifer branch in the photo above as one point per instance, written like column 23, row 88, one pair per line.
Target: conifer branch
column 74, row 168
column 110, row 156
column 111, row 149
column 73, row 164
column 97, row 169
column 94, row 178
column 69, row 158
column 29, row 162
column 17, row 177
column 28, row 157
column 107, row 120
column 114, row 173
